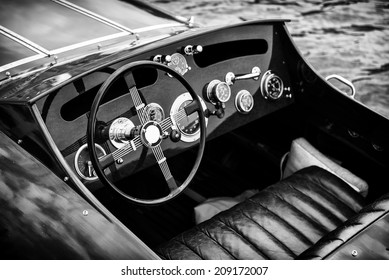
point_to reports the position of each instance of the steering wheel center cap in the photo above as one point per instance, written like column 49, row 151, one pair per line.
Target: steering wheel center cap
column 151, row 134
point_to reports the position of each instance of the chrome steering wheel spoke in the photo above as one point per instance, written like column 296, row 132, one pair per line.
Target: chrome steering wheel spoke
column 161, row 160
column 136, row 97
column 130, row 147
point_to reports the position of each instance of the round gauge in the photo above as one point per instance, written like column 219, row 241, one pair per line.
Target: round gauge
column 222, row 92
column 272, row 86
column 83, row 164
column 178, row 63
column 154, row 112
column 218, row 91
column 244, row 101
column 189, row 126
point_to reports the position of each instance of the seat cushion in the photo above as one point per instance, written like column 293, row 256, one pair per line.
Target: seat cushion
column 280, row 222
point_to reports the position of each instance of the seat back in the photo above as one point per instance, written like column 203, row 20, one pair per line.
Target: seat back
column 363, row 236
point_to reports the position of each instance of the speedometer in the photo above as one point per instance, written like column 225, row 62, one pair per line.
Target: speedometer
column 272, row 86
column 189, row 126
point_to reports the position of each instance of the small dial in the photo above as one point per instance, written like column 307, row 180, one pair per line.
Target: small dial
column 272, row 86
column 189, row 126
column 244, row 101
column 217, row 91
column 83, row 164
column 223, row 92
column 154, row 112
column 178, row 63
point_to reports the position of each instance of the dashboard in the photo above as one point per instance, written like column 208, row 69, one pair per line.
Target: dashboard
column 239, row 74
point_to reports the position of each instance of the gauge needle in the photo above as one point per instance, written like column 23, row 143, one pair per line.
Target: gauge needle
column 90, row 171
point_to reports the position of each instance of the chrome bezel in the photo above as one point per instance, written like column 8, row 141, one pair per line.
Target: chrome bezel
column 185, row 137
column 264, row 82
column 238, row 101
column 179, row 64
column 154, row 106
column 76, row 157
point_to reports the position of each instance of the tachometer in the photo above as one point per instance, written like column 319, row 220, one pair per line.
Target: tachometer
column 189, row 126
column 83, row 164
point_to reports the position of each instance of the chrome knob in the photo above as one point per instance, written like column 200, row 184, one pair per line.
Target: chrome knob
column 191, row 50
column 218, row 92
column 164, row 59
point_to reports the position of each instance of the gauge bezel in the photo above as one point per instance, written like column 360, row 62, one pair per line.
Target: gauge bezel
column 155, row 106
column 76, row 157
column 238, row 101
column 185, row 137
column 264, row 82
column 181, row 69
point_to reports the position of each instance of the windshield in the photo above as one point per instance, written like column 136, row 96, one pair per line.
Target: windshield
column 43, row 28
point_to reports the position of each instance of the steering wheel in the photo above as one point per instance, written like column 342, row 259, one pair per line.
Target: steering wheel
column 150, row 133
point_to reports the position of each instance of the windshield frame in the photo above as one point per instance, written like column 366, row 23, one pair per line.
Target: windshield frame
column 124, row 34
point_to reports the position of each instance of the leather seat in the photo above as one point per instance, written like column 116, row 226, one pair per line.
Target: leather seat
column 280, row 222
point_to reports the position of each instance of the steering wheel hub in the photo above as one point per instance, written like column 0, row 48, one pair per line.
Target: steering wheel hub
column 151, row 134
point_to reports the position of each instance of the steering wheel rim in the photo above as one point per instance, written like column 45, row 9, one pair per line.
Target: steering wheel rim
column 92, row 121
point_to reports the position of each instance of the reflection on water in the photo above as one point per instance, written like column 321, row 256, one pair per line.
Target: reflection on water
column 349, row 38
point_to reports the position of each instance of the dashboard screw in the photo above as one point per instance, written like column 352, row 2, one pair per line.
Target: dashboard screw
column 354, row 253
column 85, row 212
column 66, row 179
column 20, row 141
column 119, row 161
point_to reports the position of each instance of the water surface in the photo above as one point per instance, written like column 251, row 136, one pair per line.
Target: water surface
column 349, row 38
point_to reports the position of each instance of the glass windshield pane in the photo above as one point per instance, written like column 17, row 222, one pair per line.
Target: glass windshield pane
column 49, row 24
column 11, row 51
column 123, row 13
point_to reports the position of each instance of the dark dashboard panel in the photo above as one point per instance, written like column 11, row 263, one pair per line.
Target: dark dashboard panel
column 241, row 48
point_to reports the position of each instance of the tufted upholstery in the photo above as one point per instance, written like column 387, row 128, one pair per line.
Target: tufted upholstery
column 331, row 242
column 279, row 222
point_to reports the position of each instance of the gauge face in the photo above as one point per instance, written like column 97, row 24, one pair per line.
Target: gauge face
column 154, row 112
column 178, row 63
column 223, row 92
column 244, row 101
column 272, row 86
column 83, row 164
column 189, row 126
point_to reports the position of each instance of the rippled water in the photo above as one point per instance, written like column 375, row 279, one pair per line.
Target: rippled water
column 350, row 38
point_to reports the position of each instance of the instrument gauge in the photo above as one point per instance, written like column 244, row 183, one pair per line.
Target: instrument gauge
column 83, row 163
column 189, row 126
column 217, row 91
column 244, row 102
column 178, row 63
column 154, row 112
column 272, row 86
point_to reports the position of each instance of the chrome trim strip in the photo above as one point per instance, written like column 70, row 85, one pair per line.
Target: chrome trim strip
column 90, row 42
column 93, row 15
column 158, row 26
column 23, row 41
column 21, row 61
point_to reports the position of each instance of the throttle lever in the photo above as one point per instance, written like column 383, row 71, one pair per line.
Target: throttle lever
column 231, row 78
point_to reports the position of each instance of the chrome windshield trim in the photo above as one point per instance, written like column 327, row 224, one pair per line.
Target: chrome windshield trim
column 158, row 26
column 21, row 62
column 23, row 41
column 93, row 15
column 91, row 42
